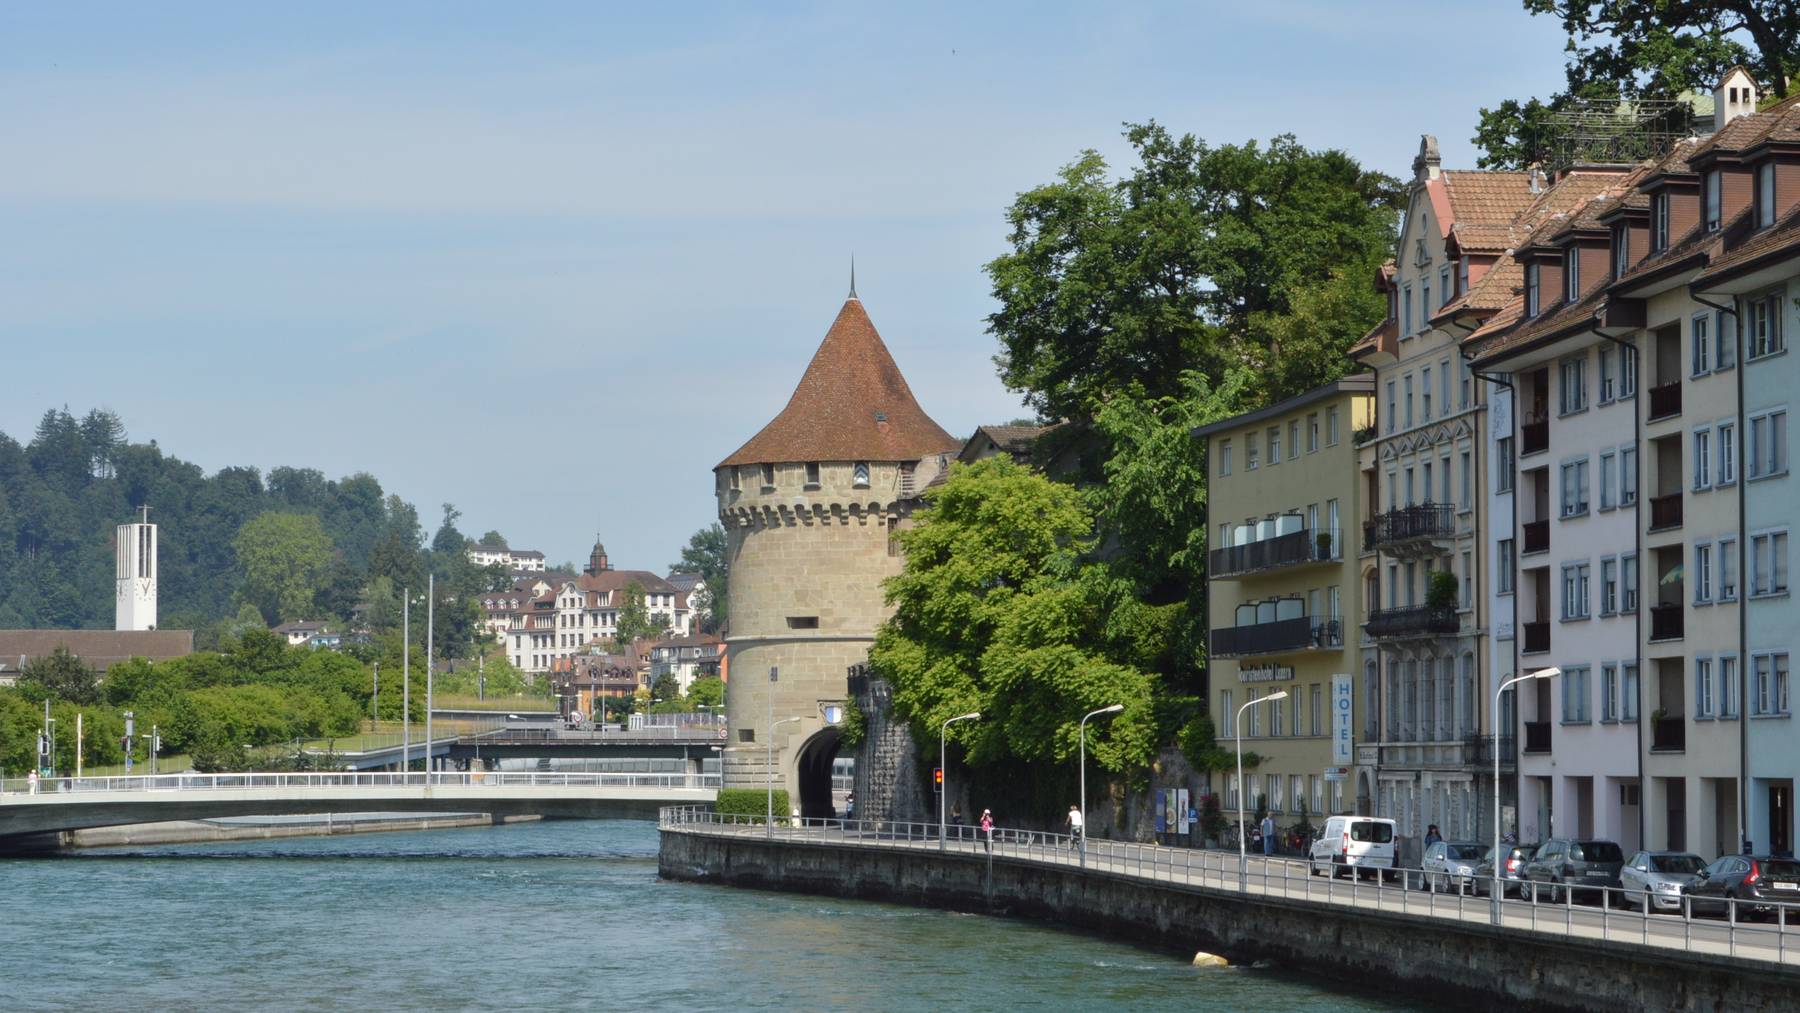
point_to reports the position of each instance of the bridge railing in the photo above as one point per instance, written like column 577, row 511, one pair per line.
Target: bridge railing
column 1740, row 928
column 17, row 789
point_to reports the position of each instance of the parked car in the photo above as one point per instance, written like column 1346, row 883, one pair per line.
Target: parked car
column 1450, row 865
column 1512, row 869
column 1653, row 880
column 1351, row 844
column 1564, row 866
column 1755, row 881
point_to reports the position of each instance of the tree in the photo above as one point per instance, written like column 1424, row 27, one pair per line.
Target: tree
column 285, row 558
column 707, row 554
column 1187, row 263
column 60, row 675
column 494, row 538
column 708, row 691
column 1644, row 49
column 665, row 691
column 449, row 542
column 635, row 620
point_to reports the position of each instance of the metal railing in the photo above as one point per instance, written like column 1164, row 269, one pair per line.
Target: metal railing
column 1537, row 736
column 1424, row 521
column 1665, row 512
column 1537, row 537
column 1667, row 622
column 1412, row 621
column 1281, row 635
column 1614, row 914
column 1307, row 545
column 1665, row 401
column 1534, row 435
column 1537, row 637
column 13, row 787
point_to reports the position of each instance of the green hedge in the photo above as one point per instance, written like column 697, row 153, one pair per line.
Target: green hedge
column 751, row 804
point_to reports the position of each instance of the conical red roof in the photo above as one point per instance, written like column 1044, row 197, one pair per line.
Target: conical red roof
column 852, row 405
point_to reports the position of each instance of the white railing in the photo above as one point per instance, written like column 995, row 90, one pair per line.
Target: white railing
column 1614, row 916
column 14, row 790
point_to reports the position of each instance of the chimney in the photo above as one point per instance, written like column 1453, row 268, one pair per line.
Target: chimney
column 1427, row 165
column 1735, row 96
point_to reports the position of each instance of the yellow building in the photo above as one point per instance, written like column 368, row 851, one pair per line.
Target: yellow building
column 1284, row 496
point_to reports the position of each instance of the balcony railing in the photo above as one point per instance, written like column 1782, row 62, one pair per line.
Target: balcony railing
column 1666, row 622
column 1665, row 401
column 1278, row 637
column 1537, row 736
column 1668, row 735
column 1410, row 524
column 1478, row 750
column 1291, row 549
column 1537, row 638
column 1537, row 537
column 1414, row 621
column 1665, row 512
column 1534, row 435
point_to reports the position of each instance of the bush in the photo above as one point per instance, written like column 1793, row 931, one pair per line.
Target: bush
column 1441, row 594
column 750, row 805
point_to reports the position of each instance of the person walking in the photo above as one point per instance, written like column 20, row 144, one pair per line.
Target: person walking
column 31, row 779
column 1268, row 834
column 1075, row 827
column 987, row 828
column 1432, row 836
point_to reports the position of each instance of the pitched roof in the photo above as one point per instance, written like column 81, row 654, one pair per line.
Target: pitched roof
column 1781, row 238
column 852, row 404
column 1381, row 337
column 1484, row 197
column 99, row 649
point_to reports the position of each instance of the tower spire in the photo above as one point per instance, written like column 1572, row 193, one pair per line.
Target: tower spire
column 853, row 277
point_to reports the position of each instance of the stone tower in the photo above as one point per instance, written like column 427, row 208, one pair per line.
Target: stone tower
column 134, row 604
column 810, row 507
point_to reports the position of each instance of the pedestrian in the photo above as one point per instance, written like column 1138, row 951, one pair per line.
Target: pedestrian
column 850, row 806
column 1432, row 836
column 1075, row 826
column 987, row 828
column 31, row 779
column 1268, row 834
column 956, row 816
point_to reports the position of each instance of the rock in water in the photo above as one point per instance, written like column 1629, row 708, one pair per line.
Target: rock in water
column 1205, row 959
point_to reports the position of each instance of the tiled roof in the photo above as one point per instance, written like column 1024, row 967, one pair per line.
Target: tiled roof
column 1779, row 122
column 1482, row 197
column 99, row 649
column 615, row 580
column 1381, row 337
column 1782, row 237
column 1560, row 318
column 1487, row 238
column 1015, row 439
column 851, row 405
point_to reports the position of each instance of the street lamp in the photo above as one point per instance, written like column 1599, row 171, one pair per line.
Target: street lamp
column 944, row 769
column 771, row 769
column 1494, row 889
column 1237, row 729
column 1081, row 845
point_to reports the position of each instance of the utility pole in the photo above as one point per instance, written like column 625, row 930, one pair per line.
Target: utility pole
column 405, row 682
column 375, row 702
column 430, row 605
column 78, row 717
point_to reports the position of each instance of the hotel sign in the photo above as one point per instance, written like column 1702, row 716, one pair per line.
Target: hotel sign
column 1267, row 673
column 1342, row 699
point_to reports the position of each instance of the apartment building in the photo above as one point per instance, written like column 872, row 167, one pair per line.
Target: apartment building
column 1283, row 496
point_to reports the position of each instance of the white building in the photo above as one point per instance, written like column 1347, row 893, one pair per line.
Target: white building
column 515, row 560
column 134, row 605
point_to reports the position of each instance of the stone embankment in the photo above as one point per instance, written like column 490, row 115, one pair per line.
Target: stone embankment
column 251, row 829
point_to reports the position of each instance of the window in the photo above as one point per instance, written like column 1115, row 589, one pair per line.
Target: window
column 1531, row 289
column 1274, row 446
column 1425, row 395
column 1424, row 300
column 1224, row 457
column 1703, row 687
column 1765, row 195
column 1702, row 459
column 1728, row 567
column 1406, row 326
column 1467, row 585
column 1609, row 692
column 1393, row 408
column 812, row 473
column 1768, row 563
column 1318, row 709
column 1628, row 583
column 1627, row 373
column 1446, row 292
column 860, row 477
column 1609, row 586
column 1659, row 222
column 1762, row 323
column 1711, row 206
column 1628, row 691
column 1503, row 464
column 1700, row 344
column 1249, row 451
column 1609, row 482
column 1503, row 562
column 1728, row 686
column 1575, row 488
column 1275, row 716
column 1293, row 439
column 1462, row 394
column 1312, row 433
column 1628, row 477
column 1768, row 445
column 1572, row 385
column 1703, row 567
column 1253, row 714
column 1226, row 710
column 1608, row 384
column 1771, row 683
column 1575, row 697
column 734, row 480
column 1467, row 499
column 1406, row 384
column 1572, row 275
column 1575, row 591
column 1724, row 345
column 1331, row 427
column 1621, row 251
column 768, row 476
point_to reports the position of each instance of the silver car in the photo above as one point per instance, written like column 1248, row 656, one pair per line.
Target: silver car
column 1654, row 879
column 1450, row 865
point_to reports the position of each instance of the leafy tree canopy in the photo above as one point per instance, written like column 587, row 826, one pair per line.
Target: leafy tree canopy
column 285, row 558
column 707, row 554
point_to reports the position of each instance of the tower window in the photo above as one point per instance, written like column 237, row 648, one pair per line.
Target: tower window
column 812, row 473
column 803, row 622
column 768, row 476
column 860, row 478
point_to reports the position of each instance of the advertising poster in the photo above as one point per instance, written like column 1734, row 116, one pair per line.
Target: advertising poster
column 1181, row 809
column 1162, row 815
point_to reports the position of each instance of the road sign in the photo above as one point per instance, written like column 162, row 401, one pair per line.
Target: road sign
column 1337, row 773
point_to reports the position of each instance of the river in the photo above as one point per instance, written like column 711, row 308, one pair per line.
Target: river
column 540, row 916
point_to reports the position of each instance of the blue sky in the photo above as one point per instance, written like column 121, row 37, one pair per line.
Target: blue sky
column 551, row 262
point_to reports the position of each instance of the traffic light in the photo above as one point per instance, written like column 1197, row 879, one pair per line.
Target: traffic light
column 937, row 778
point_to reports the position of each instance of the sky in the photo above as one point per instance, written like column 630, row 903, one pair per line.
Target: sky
column 551, row 262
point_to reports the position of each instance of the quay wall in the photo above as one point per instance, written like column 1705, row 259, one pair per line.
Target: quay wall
column 1476, row 967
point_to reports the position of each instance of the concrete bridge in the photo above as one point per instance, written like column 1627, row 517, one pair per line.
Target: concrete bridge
column 82, row 802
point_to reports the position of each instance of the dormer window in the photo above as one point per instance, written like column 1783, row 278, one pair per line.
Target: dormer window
column 1712, row 201
column 1531, row 289
column 1765, row 195
column 1659, row 222
column 1462, row 275
column 1572, row 275
column 1621, row 251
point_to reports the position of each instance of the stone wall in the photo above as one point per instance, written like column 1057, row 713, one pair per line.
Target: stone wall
column 1467, row 966
column 887, row 760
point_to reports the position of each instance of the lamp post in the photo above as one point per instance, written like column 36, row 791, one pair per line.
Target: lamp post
column 430, row 605
column 1237, row 729
column 1496, row 893
column 771, row 768
column 375, row 703
column 1081, row 845
column 944, row 769
column 405, row 682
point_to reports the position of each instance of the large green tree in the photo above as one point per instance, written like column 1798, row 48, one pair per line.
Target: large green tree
column 285, row 559
column 635, row 620
column 707, row 554
column 1643, row 49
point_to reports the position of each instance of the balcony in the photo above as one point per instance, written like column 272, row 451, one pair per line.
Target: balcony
column 1665, row 401
column 1537, row 638
column 1534, row 435
column 1294, row 548
column 1537, row 736
column 1665, row 512
column 1668, row 735
column 1281, row 636
column 1408, row 527
column 1666, row 622
column 1478, row 750
column 1416, row 621
column 1537, row 537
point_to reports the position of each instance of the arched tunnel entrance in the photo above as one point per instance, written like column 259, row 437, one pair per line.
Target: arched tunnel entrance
column 813, row 771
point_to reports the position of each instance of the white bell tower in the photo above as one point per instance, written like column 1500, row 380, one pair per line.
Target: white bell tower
column 135, row 601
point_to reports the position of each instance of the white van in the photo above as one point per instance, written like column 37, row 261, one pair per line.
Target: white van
column 1350, row 843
